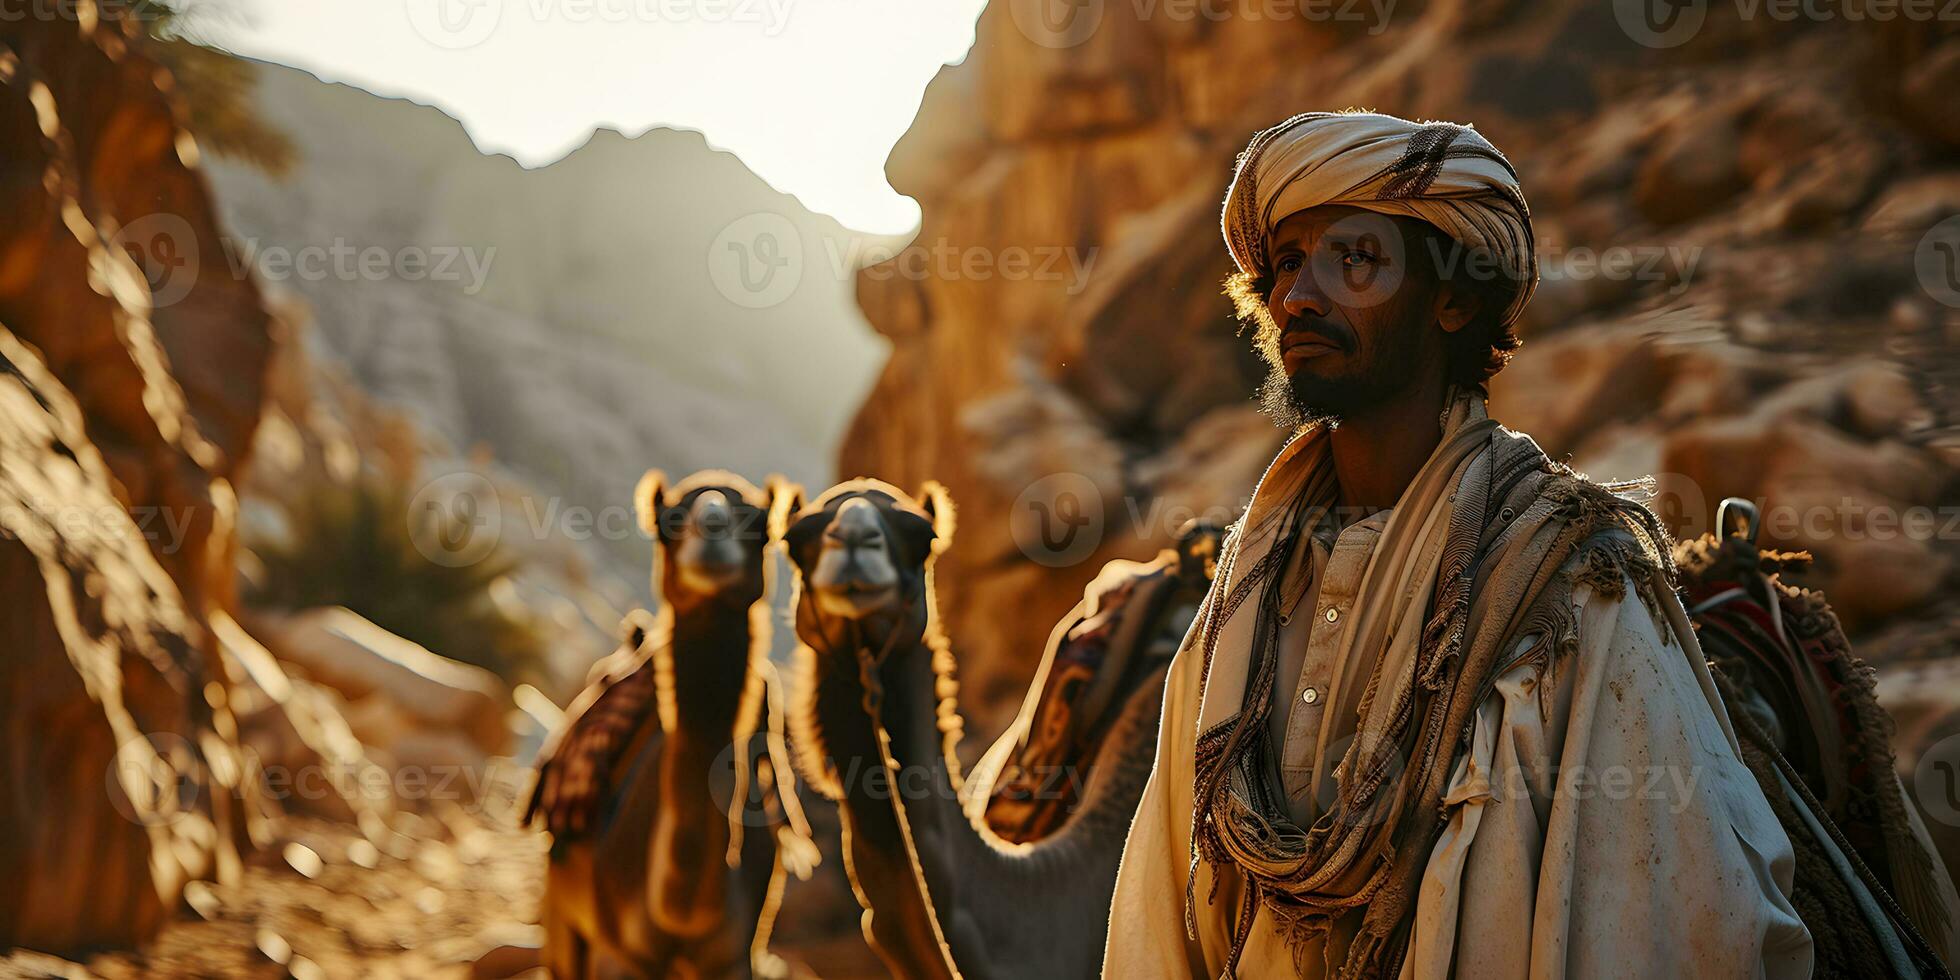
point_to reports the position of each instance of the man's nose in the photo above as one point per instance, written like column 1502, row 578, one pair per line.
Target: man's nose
column 1305, row 296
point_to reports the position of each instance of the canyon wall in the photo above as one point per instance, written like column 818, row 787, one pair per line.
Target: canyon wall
column 119, row 748
column 1728, row 213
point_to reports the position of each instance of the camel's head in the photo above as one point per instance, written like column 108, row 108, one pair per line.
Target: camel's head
column 1200, row 544
column 863, row 551
column 712, row 530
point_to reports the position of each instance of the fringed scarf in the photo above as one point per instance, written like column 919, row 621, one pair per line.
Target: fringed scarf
column 1472, row 560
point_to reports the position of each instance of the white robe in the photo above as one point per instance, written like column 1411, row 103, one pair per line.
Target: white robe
column 1608, row 830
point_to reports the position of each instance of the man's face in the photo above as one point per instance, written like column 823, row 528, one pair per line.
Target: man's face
column 1353, row 308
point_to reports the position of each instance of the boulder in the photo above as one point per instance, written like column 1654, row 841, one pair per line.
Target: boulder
column 360, row 661
column 1926, row 95
column 1911, row 206
column 1694, row 168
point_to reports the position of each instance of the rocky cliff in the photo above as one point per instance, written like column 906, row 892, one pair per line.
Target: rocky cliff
column 1728, row 214
column 122, row 761
column 583, row 321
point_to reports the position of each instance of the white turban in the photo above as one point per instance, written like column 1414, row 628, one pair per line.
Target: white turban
column 1441, row 173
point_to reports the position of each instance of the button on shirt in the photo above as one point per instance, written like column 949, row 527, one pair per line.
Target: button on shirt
column 1318, row 595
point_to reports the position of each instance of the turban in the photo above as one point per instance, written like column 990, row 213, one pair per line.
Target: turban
column 1441, row 173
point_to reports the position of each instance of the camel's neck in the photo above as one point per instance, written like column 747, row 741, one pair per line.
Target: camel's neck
column 998, row 906
column 709, row 657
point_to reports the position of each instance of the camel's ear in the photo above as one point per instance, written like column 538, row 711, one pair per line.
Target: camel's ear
column 785, row 499
column 648, row 501
column 938, row 504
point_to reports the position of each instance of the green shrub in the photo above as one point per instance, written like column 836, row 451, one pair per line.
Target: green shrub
column 351, row 545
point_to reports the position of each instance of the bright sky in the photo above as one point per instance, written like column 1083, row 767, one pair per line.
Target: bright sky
column 811, row 94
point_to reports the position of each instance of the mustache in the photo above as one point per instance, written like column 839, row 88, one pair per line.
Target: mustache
column 1316, row 328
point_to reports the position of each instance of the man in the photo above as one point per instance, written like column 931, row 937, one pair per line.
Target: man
column 1442, row 713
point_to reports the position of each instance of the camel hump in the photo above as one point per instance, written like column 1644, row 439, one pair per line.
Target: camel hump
column 575, row 780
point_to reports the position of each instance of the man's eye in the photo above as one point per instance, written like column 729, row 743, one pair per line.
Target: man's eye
column 1355, row 260
column 1290, row 263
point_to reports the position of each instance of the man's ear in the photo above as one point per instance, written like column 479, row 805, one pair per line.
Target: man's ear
column 1456, row 306
column 938, row 504
column 649, row 498
column 785, row 499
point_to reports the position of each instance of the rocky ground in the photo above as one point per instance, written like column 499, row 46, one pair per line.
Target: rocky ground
column 450, row 894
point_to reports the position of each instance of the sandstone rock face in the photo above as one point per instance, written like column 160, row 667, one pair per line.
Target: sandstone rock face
column 99, row 835
column 120, row 420
column 1721, row 223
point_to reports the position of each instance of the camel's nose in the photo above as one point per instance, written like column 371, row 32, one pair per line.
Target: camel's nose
column 854, row 574
column 712, row 514
column 711, row 556
column 856, row 525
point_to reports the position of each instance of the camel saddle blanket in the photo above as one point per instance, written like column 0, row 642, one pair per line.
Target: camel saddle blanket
column 1868, row 887
column 1126, row 628
column 577, row 769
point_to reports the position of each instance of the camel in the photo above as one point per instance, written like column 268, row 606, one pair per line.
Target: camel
column 876, row 722
column 648, row 875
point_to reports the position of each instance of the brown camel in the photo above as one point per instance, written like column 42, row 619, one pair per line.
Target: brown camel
column 876, row 723
column 650, row 872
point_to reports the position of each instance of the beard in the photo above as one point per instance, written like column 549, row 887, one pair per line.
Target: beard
column 1295, row 401
column 1302, row 400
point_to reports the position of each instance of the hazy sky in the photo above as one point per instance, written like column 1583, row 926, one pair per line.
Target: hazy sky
column 811, row 94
